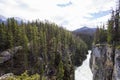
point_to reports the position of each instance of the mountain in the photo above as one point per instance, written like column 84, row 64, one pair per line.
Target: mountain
column 20, row 19
column 85, row 30
column 4, row 19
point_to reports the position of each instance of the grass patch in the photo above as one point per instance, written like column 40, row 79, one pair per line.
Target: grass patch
column 25, row 76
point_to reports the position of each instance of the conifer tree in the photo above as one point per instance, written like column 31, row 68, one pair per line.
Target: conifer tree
column 2, row 37
column 60, row 73
column 97, row 36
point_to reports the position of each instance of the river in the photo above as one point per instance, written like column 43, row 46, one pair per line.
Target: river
column 83, row 72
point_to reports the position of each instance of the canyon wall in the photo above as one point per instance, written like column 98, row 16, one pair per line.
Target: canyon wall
column 105, row 63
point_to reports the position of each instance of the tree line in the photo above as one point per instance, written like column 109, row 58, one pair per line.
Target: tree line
column 111, row 35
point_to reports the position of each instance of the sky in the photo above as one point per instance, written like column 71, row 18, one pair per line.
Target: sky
column 70, row 14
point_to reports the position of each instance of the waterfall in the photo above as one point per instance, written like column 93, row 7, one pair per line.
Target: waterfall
column 83, row 72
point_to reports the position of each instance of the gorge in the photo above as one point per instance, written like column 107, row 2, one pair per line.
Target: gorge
column 44, row 50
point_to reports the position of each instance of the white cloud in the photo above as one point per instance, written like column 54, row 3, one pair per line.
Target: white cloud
column 71, row 17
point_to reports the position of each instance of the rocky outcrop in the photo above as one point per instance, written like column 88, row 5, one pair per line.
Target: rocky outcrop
column 9, row 53
column 105, row 63
column 116, row 71
column 5, row 76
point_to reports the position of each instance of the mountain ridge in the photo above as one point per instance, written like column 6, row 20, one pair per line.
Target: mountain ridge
column 86, row 30
column 18, row 19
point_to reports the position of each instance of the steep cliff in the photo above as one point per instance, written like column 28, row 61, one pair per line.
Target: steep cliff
column 105, row 63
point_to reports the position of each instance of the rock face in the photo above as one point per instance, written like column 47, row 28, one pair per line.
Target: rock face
column 116, row 72
column 8, row 54
column 105, row 63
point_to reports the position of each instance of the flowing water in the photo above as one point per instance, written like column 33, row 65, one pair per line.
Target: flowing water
column 83, row 72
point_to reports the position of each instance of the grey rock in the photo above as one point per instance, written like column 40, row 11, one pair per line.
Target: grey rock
column 105, row 63
column 116, row 71
column 8, row 54
column 3, row 77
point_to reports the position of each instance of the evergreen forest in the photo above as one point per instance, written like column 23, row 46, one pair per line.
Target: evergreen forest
column 41, row 49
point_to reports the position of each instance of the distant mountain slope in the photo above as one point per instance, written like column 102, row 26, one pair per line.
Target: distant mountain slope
column 86, row 34
column 85, row 30
column 4, row 19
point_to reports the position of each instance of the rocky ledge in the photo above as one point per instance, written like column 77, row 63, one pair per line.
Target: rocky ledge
column 5, row 76
column 105, row 63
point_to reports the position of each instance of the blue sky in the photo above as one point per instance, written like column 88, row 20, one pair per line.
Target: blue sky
column 100, row 14
column 71, row 14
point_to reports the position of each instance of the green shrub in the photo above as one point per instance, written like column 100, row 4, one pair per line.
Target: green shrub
column 118, row 47
column 25, row 76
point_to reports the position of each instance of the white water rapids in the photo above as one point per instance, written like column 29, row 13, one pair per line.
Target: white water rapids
column 83, row 72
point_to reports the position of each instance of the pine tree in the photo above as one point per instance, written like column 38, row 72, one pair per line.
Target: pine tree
column 97, row 36
column 60, row 73
column 116, row 37
column 9, row 34
column 110, row 31
column 2, row 37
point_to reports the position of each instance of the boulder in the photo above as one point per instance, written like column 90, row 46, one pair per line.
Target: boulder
column 5, row 76
column 8, row 54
